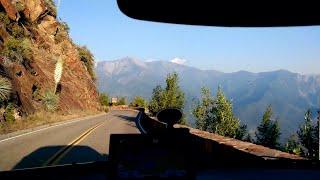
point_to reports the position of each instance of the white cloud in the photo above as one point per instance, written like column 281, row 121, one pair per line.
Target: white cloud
column 178, row 60
column 149, row 60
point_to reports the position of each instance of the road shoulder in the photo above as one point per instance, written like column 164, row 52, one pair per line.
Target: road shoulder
column 4, row 137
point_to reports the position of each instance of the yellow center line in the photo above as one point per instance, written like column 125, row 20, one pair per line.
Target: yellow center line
column 63, row 151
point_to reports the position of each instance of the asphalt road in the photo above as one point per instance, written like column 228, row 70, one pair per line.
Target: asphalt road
column 81, row 141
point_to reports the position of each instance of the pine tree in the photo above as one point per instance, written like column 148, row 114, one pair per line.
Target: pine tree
column 268, row 132
column 223, row 120
column 242, row 132
column 138, row 101
column 202, row 109
column 173, row 95
column 157, row 100
column 248, row 138
column 215, row 114
column 170, row 97
column 309, row 137
column 293, row 145
column 104, row 99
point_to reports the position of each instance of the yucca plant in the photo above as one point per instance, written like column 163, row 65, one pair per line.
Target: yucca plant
column 58, row 72
column 50, row 101
column 5, row 89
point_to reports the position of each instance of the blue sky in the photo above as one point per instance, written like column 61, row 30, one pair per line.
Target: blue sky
column 111, row 35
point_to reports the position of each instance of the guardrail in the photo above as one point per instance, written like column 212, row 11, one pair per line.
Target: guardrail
column 210, row 143
column 246, row 147
column 148, row 125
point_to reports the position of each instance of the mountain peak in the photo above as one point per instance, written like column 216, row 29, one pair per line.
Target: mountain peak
column 124, row 64
column 132, row 61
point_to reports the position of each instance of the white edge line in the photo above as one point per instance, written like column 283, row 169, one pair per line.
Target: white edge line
column 85, row 118
column 140, row 123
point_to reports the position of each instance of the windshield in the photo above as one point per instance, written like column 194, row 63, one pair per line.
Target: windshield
column 73, row 72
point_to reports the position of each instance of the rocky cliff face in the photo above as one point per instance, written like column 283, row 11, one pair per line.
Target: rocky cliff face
column 31, row 42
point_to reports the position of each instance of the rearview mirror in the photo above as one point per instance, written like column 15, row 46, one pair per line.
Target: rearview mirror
column 244, row 13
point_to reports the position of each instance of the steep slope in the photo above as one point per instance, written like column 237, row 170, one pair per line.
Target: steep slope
column 46, row 40
column 290, row 94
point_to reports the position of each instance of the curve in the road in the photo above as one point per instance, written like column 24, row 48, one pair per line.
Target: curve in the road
column 89, row 143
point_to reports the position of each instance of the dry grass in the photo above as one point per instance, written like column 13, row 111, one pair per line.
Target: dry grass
column 42, row 118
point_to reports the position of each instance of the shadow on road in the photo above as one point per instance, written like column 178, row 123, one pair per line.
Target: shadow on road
column 127, row 118
column 78, row 154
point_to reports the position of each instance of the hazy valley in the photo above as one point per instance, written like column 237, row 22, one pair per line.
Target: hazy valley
column 290, row 94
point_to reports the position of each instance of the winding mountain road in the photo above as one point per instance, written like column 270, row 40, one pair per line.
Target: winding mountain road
column 83, row 140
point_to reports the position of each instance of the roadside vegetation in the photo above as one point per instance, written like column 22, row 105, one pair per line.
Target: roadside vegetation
column 5, row 89
column 215, row 114
column 171, row 96
column 121, row 101
column 138, row 101
column 104, row 101
column 51, row 7
column 17, row 50
column 88, row 60
column 37, row 119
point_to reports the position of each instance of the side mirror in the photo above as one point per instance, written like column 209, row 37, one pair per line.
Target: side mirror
column 169, row 116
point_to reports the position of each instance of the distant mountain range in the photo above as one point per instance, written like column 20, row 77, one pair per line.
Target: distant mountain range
column 290, row 94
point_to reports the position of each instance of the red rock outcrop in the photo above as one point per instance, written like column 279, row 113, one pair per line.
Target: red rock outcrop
column 76, row 89
column 10, row 8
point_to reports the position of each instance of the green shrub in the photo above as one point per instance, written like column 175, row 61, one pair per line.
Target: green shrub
column 60, row 36
column 62, row 33
column 105, row 108
column 87, row 58
column 4, row 19
column 122, row 101
column 20, row 6
column 138, row 101
column 65, row 26
column 36, row 93
column 5, row 89
column 17, row 50
column 50, row 101
column 9, row 113
column 17, row 31
column 104, row 99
